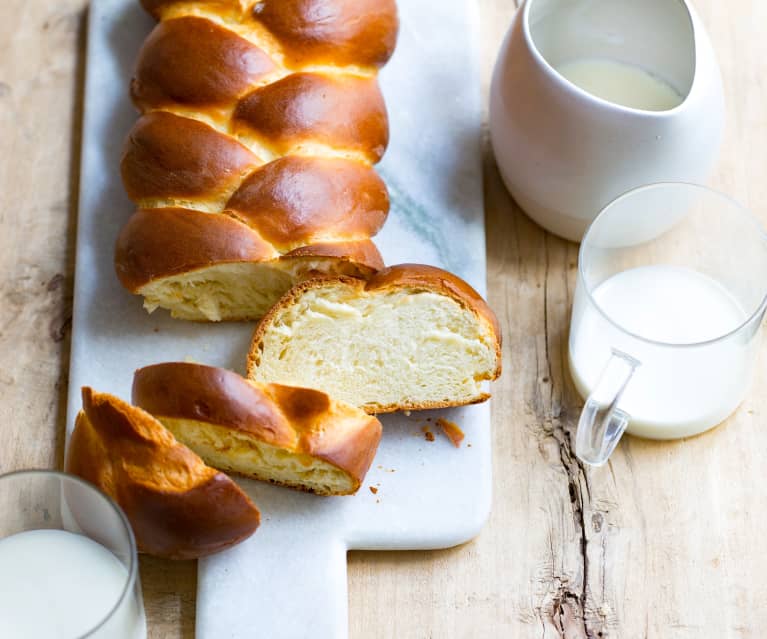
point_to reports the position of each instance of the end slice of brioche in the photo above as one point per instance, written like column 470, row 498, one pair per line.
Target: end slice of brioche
column 294, row 437
column 412, row 337
column 178, row 507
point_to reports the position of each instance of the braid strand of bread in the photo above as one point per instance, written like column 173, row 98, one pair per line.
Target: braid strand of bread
column 252, row 162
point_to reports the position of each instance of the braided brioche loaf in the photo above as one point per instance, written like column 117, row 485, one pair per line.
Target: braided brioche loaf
column 251, row 164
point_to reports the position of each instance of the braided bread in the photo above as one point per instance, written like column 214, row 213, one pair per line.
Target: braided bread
column 178, row 507
column 295, row 437
column 251, row 164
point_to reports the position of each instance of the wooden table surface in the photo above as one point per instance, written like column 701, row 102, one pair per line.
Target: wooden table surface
column 667, row 541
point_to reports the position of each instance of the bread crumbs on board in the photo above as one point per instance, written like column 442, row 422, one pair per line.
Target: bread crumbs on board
column 373, row 489
column 452, row 431
column 428, row 435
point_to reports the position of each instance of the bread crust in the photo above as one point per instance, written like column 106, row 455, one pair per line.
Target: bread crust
column 159, row 243
column 168, row 157
column 178, row 507
column 401, row 276
column 299, row 420
column 296, row 199
column 343, row 112
column 339, row 32
column 363, row 253
column 267, row 111
column 172, row 64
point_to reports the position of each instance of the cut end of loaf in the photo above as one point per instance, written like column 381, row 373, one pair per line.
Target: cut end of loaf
column 237, row 291
column 240, row 290
column 398, row 347
column 213, row 267
column 233, row 451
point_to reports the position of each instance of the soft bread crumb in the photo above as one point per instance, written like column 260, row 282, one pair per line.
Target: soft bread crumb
column 236, row 291
column 229, row 450
column 398, row 349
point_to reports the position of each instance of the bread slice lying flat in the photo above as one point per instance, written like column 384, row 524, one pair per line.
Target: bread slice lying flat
column 295, row 437
column 178, row 507
column 412, row 337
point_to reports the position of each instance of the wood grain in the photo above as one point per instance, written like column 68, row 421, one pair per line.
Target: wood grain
column 664, row 542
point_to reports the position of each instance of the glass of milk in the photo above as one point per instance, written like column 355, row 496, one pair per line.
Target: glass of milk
column 68, row 562
column 671, row 293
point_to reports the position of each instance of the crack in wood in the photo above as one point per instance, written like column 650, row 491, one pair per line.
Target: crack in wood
column 577, row 603
column 570, row 606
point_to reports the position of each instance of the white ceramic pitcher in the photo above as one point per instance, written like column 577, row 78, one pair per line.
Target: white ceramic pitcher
column 564, row 153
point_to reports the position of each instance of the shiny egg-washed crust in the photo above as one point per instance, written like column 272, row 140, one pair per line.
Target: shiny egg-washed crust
column 297, row 420
column 414, row 277
column 337, row 32
column 268, row 111
column 178, row 507
column 159, row 243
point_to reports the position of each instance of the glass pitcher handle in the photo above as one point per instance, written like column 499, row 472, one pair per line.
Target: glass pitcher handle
column 602, row 420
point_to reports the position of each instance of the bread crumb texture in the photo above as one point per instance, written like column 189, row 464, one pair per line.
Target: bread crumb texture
column 235, row 291
column 403, row 348
column 229, row 450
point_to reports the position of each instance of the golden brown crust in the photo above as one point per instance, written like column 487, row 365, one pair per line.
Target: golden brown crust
column 266, row 111
column 298, row 420
column 168, row 157
column 322, row 32
column 158, row 243
column 393, row 408
column 213, row 395
column 343, row 112
column 338, row 32
column 193, row 61
column 363, row 254
column 409, row 276
column 296, row 199
column 178, row 507
column 163, row 242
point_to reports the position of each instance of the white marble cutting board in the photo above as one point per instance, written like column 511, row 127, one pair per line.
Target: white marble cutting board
column 289, row 579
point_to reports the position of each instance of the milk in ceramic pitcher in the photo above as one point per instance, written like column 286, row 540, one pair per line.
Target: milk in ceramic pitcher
column 620, row 83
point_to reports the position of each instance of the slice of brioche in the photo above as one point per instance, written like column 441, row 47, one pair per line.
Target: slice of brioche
column 412, row 337
column 178, row 507
column 294, row 437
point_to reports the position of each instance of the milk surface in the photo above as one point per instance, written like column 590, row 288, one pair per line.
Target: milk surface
column 621, row 83
column 59, row 585
column 677, row 391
